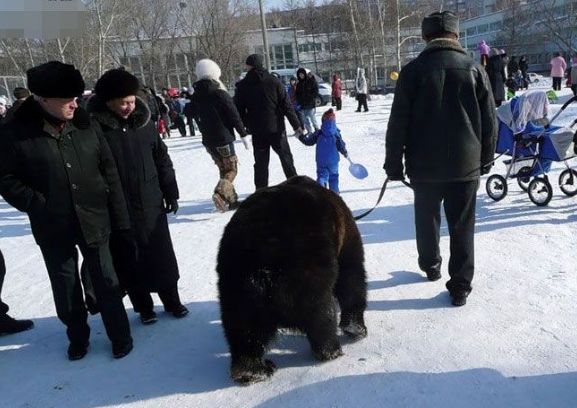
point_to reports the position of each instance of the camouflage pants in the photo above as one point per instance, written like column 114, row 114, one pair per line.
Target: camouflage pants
column 227, row 163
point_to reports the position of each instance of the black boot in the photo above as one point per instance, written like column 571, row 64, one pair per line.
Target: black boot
column 77, row 351
column 120, row 350
column 148, row 318
column 9, row 325
column 179, row 311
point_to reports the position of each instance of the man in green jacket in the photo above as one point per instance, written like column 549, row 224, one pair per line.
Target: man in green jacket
column 443, row 123
column 56, row 167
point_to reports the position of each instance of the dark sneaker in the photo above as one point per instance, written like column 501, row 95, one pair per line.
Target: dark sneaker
column 179, row 311
column 120, row 350
column 433, row 274
column 9, row 325
column 148, row 318
column 459, row 299
column 77, row 351
column 433, row 271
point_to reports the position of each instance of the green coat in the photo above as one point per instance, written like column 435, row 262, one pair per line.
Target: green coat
column 61, row 181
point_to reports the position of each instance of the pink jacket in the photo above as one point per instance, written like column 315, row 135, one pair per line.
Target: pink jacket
column 558, row 67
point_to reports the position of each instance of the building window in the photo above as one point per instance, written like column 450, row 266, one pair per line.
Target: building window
column 281, row 56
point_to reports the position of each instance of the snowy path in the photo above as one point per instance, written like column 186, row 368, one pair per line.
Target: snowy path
column 513, row 345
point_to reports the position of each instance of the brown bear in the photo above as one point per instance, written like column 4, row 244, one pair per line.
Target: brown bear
column 287, row 252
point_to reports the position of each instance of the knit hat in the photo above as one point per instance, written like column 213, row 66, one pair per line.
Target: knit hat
column 255, row 60
column 207, row 69
column 329, row 115
column 116, row 83
column 21, row 93
column 55, row 80
column 440, row 23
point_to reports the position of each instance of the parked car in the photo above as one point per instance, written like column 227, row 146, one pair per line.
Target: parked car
column 534, row 77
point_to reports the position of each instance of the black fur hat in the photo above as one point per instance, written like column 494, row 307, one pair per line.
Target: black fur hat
column 55, row 80
column 440, row 23
column 116, row 83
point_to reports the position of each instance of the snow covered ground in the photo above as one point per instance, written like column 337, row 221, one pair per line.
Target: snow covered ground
column 512, row 345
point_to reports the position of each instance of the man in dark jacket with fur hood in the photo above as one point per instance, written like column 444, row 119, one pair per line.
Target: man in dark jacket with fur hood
column 144, row 257
column 262, row 103
column 443, row 122
column 55, row 166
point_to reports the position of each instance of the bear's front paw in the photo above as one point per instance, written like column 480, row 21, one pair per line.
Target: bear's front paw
column 250, row 373
column 352, row 324
column 356, row 331
column 327, row 355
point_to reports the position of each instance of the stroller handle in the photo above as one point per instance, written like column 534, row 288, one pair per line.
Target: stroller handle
column 569, row 102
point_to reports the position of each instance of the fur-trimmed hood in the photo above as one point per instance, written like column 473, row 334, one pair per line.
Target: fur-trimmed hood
column 444, row 44
column 99, row 111
column 30, row 112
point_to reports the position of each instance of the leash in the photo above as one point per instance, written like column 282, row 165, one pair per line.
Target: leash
column 406, row 183
column 381, row 194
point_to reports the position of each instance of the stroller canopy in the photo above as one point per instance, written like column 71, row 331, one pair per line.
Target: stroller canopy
column 517, row 113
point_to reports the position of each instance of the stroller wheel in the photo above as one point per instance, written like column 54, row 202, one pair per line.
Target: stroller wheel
column 568, row 182
column 540, row 191
column 496, row 187
column 524, row 181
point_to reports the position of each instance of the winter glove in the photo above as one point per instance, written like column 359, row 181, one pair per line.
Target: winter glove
column 486, row 169
column 246, row 142
column 170, row 205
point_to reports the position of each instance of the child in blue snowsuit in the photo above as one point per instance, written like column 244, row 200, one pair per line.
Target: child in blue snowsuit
column 329, row 143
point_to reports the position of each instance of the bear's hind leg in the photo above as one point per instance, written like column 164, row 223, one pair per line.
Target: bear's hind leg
column 351, row 291
column 248, row 335
column 320, row 325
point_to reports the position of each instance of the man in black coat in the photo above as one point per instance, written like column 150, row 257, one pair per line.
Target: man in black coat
column 443, row 122
column 144, row 257
column 306, row 96
column 9, row 325
column 263, row 104
column 56, row 167
column 497, row 77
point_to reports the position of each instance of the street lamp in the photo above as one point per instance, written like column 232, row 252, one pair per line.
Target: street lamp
column 264, row 36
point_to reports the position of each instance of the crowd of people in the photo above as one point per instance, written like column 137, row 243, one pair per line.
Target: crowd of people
column 100, row 179
column 512, row 74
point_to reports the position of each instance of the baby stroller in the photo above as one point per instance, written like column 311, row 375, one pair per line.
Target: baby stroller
column 533, row 143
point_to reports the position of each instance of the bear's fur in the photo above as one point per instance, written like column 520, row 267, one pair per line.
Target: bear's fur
column 285, row 254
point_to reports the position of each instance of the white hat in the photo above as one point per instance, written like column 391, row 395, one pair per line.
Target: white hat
column 207, row 69
column 3, row 100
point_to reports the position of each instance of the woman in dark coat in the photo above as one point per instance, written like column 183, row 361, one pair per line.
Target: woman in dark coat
column 144, row 259
column 496, row 72
column 214, row 111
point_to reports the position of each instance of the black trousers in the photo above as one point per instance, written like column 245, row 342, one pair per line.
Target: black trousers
column 190, row 123
column 3, row 306
column 362, row 98
column 459, row 199
column 557, row 83
column 178, row 122
column 142, row 301
column 262, row 145
column 61, row 259
column 338, row 103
